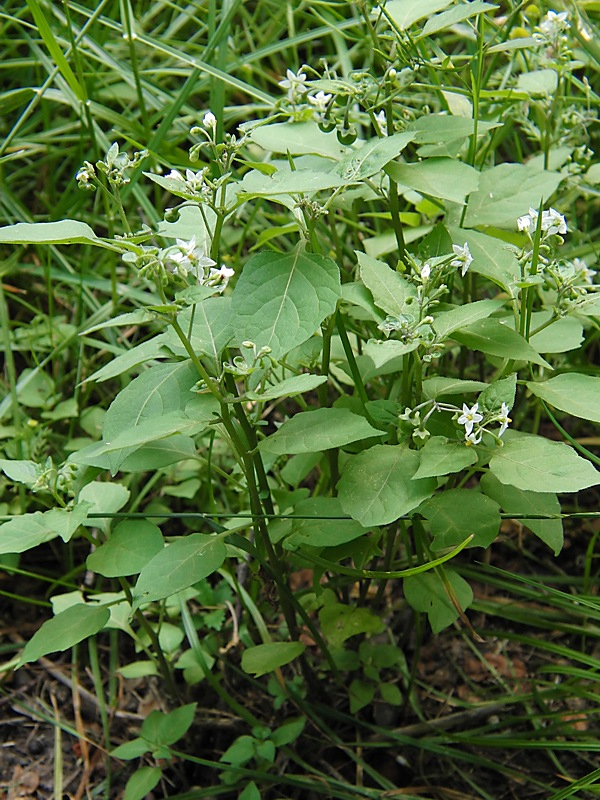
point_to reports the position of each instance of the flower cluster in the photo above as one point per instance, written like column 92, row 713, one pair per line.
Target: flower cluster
column 552, row 222
column 475, row 420
column 295, row 83
column 472, row 417
column 181, row 259
column 115, row 166
column 191, row 257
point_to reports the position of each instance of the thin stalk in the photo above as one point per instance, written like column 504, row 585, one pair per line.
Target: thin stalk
column 163, row 664
column 100, row 697
column 357, row 377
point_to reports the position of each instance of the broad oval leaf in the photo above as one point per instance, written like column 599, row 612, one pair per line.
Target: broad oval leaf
column 389, row 289
column 494, row 338
column 378, row 485
column 265, row 658
column 535, row 464
column 67, row 231
column 179, row 565
column 280, row 300
column 297, row 139
column 289, row 387
column 372, row 157
column 445, row 178
column 457, row 513
column 141, row 783
column 572, row 392
column 447, row 322
column 406, row 12
column 64, row 630
column 426, row 592
column 440, row 456
column 508, row 190
column 321, row 429
column 131, row 546
column 517, row 501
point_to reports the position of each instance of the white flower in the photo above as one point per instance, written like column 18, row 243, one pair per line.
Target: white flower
column 191, row 258
column 320, row 101
column 553, row 222
column 209, row 121
column 555, row 23
column 381, row 120
column 464, row 258
column 293, row 80
column 583, row 270
column 525, row 223
column 221, row 275
column 425, row 272
column 503, row 418
column 473, row 438
column 469, row 417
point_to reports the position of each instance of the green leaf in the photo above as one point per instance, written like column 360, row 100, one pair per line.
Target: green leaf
column 265, row 658
column 297, row 138
column 501, row 391
column 280, row 300
column 443, row 128
column 321, row 429
column 390, row 694
column 447, row 322
column 378, row 485
column 160, row 728
column 140, row 354
column 131, row 545
column 290, row 182
column 159, row 390
column 67, row 231
column 211, row 330
column 438, row 387
column 288, row 732
column 444, row 178
column 250, row 792
column 361, row 693
column 492, row 258
column 104, row 498
column 426, row 592
column 289, row 387
column 517, row 501
column 457, row 513
column 494, row 338
column 26, row 531
column 179, row 565
column 389, row 289
column 22, row 471
column 340, row 622
column 440, row 456
column 142, row 782
column 572, row 392
column 132, row 749
column 534, row 464
column 562, row 335
column 453, row 16
column 506, row 192
column 540, row 82
column 406, row 12
column 321, row 532
column 372, row 157
column 64, row 630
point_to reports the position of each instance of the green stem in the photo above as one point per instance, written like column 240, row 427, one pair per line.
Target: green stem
column 357, row 377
